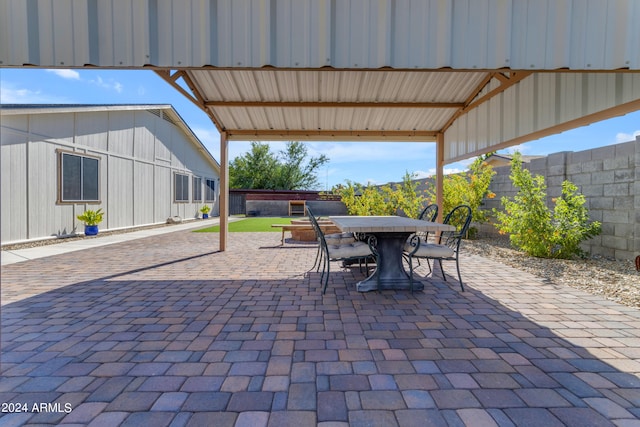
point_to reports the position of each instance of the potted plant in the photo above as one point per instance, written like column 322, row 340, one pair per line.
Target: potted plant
column 205, row 211
column 91, row 220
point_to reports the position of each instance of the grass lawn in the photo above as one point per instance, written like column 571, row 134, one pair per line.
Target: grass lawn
column 251, row 225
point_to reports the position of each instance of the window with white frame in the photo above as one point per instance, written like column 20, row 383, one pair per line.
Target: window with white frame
column 79, row 178
column 210, row 190
column 197, row 189
column 181, row 187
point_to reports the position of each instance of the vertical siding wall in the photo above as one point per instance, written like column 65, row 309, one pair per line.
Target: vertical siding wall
column 609, row 177
column 139, row 153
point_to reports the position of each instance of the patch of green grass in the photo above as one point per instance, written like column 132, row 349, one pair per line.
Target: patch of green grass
column 250, row 225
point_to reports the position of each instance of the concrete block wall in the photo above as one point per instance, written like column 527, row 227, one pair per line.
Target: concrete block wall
column 281, row 207
column 608, row 177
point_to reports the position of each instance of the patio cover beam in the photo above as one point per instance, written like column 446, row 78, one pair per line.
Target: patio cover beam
column 224, row 190
column 440, row 174
column 342, row 135
column 475, row 100
column 194, row 96
column 314, row 104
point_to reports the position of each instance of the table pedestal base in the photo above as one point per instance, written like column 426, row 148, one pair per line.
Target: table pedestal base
column 390, row 272
column 371, row 284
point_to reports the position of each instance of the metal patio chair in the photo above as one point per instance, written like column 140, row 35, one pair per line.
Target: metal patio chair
column 447, row 247
column 356, row 250
column 331, row 239
column 429, row 213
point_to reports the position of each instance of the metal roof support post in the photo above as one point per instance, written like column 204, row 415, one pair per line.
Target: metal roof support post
column 224, row 190
column 440, row 174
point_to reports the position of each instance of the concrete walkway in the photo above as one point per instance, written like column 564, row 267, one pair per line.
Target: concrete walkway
column 19, row 255
column 168, row 331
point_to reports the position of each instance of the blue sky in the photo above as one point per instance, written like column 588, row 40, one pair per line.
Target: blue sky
column 379, row 163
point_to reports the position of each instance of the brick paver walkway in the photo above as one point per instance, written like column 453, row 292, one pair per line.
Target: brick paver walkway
column 166, row 331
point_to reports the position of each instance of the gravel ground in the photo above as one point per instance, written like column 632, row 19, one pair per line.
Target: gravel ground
column 613, row 279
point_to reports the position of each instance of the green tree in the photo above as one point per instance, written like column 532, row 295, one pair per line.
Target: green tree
column 533, row 227
column 261, row 169
column 295, row 172
column 256, row 169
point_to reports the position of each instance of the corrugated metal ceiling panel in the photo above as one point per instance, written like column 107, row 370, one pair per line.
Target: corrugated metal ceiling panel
column 361, row 34
column 286, row 99
column 541, row 105
column 335, row 86
column 304, row 119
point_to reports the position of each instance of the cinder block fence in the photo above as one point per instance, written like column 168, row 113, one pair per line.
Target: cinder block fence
column 609, row 177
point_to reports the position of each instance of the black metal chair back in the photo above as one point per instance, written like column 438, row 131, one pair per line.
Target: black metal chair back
column 430, row 213
column 459, row 217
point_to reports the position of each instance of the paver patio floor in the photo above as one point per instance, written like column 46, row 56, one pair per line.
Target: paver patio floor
column 167, row 331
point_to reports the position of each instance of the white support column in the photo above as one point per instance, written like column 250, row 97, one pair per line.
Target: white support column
column 224, row 190
column 440, row 174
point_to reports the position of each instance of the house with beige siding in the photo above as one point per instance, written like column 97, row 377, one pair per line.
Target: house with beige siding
column 141, row 164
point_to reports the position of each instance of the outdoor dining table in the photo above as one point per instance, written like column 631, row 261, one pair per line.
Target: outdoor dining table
column 391, row 233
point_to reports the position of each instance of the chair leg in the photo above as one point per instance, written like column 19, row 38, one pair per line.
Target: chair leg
column 320, row 258
column 324, row 269
column 316, row 263
column 326, row 279
column 459, row 277
column 444, row 276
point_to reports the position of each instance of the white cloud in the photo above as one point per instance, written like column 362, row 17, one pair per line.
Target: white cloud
column 373, row 181
column 521, row 148
column 66, row 74
column 432, row 172
column 10, row 94
column 348, row 152
column 109, row 84
column 626, row 137
column 424, row 174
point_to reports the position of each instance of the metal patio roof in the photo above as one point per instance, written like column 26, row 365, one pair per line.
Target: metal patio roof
column 472, row 75
column 484, row 73
column 334, row 104
column 476, row 111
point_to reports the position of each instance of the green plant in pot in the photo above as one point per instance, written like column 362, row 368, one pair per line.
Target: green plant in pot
column 205, row 211
column 91, row 220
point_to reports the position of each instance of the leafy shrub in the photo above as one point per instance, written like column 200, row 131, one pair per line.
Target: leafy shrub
column 468, row 188
column 533, row 227
column 404, row 197
column 385, row 200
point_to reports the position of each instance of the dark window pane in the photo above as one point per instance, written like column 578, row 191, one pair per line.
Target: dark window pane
column 182, row 187
column 185, row 187
column 71, row 177
column 197, row 189
column 89, row 179
column 210, row 193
